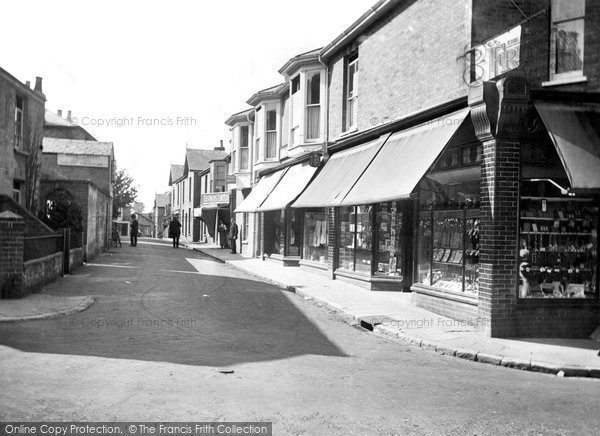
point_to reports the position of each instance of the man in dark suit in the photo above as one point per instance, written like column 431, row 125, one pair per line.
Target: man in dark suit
column 134, row 230
column 175, row 231
column 233, row 235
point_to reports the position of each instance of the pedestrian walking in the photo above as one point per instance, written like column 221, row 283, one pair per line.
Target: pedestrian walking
column 134, row 230
column 233, row 235
column 222, row 234
column 175, row 231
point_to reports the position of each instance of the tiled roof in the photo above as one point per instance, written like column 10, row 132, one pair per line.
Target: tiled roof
column 162, row 200
column 197, row 159
column 77, row 146
column 176, row 173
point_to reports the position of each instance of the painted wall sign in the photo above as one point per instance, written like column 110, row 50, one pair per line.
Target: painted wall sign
column 82, row 160
column 215, row 198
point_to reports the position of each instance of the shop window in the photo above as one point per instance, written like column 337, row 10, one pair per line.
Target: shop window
column 293, row 241
column 448, row 236
column 272, row 233
column 244, row 132
column 356, row 237
column 388, row 256
column 245, row 226
column 19, row 107
column 567, row 39
column 315, row 236
column 558, row 244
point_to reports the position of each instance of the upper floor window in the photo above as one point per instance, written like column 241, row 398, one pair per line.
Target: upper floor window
column 17, row 191
column 313, row 105
column 19, row 106
column 190, row 189
column 271, row 134
column 285, row 124
column 220, row 170
column 296, row 110
column 351, row 93
column 567, row 38
column 244, row 132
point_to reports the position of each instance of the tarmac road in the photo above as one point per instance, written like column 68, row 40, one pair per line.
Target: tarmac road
column 164, row 320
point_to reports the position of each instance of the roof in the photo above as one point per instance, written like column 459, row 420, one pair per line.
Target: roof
column 309, row 57
column 161, row 200
column 378, row 10
column 239, row 117
column 198, row 159
column 77, row 146
column 52, row 119
column 268, row 93
column 175, row 174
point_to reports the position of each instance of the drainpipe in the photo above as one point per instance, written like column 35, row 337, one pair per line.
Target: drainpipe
column 326, row 141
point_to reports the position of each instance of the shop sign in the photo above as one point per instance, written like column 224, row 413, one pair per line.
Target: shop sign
column 82, row 160
column 215, row 198
column 497, row 56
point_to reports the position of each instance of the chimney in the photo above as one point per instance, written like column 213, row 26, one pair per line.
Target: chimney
column 69, row 115
column 220, row 148
column 28, row 84
column 38, row 84
column 59, row 113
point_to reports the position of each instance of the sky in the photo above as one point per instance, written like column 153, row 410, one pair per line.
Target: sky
column 154, row 77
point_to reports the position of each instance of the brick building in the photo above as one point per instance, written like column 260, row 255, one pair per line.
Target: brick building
column 461, row 162
column 85, row 170
column 21, row 125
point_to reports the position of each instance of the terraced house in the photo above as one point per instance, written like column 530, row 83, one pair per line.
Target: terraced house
column 448, row 149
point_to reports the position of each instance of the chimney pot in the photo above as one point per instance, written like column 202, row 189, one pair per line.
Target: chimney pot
column 28, row 84
column 69, row 115
column 59, row 113
column 38, row 84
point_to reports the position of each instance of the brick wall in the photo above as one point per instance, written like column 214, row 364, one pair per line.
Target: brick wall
column 38, row 272
column 12, row 228
column 493, row 18
column 411, row 60
column 333, row 241
column 457, row 310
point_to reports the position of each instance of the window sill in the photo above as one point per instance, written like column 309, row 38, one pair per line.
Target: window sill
column 349, row 131
column 462, row 297
column 565, row 81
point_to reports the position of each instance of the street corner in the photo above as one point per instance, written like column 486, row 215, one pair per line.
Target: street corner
column 39, row 306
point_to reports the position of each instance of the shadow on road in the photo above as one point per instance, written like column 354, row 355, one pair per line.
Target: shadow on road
column 152, row 305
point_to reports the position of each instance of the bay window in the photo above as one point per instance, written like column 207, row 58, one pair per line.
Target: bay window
column 313, row 105
column 271, row 134
column 244, row 131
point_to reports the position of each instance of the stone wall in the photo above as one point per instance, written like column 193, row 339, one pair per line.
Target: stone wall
column 38, row 272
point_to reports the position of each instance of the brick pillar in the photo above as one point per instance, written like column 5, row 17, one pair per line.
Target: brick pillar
column 498, row 111
column 332, row 241
column 12, row 231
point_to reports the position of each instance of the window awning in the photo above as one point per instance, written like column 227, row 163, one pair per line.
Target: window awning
column 260, row 192
column 289, row 187
column 575, row 131
column 338, row 175
column 403, row 161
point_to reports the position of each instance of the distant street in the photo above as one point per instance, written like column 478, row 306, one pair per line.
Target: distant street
column 166, row 320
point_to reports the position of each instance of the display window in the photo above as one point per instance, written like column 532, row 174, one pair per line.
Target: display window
column 356, row 236
column 558, row 243
column 293, row 242
column 316, row 238
column 272, row 232
column 388, row 256
column 448, row 236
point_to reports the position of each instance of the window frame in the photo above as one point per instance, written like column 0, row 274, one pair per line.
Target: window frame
column 553, row 62
column 270, row 128
column 309, row 76
column 19, row 121
column 351, row 97
column 244, row 148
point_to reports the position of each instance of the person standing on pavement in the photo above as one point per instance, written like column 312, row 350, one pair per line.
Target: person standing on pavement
column 134, row 231
column 233, row 235
column 175, row 231
column 222, row 234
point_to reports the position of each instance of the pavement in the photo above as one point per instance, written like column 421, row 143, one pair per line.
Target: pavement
column 388, row 314
column 392, row 315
